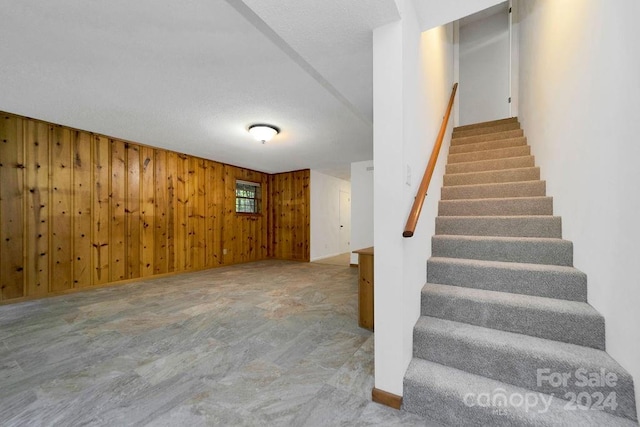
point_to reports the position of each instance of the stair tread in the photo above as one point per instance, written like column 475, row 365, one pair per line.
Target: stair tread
column 503, row 225
column 490, row 152
column 520, row 345
column 545, row 280
column 490, row 206
column 498, row 144
column 540, row 250
column 488, row 123
column 521, row 174
column 496, row 199
column 514, row 300
column 498, row 184
column 567, row 321
column 491, row 127
column 510, row 299
column 513, row 266
column 494, row 171
column 533, row 188
column 528, row 156
column 496, row 217
column 501, row 238
column 492, row 164
column 503, row 127
column 486, row 137
column 453, row 386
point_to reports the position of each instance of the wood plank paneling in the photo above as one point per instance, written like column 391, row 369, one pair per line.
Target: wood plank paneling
column 79, row 210
column 245, row 236
column 147, row 208
column 303, row 196
column 100, row 213
column 37, row 215
column 290, row 216
column 133, row 213
column 61, row 215
column 286, row 217
column 11, row 207
column 192, row 207
column 199, row 210
column 229, row 236
column 232, row 232
column 275, row 213
column 160, row 198
column 117, row 228
column 181, row 246
column 82, row 221
column 270, row 221
column 172, row 201
column 216, row 212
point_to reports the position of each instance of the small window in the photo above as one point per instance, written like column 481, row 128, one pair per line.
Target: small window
column 248, row 197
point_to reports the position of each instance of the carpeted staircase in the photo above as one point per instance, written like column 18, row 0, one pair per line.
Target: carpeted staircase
column 505, row 321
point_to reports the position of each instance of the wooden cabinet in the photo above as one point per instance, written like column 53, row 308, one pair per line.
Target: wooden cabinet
column 365, row 288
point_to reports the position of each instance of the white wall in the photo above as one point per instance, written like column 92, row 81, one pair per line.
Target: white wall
column 484, row 69
column 387, row 194
column 580, row 108
column 514, row 91
column 325, row 215
column 361, row 206
column 413, row 76
column 433, row 13
column 455, row 115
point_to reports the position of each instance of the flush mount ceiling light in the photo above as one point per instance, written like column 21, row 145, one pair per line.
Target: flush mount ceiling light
column 262, row 132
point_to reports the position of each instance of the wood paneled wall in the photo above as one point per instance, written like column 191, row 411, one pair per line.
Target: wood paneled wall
column 290, row 215
column 245, row 235
column 79, row 209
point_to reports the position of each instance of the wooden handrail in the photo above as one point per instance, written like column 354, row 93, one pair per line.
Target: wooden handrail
column 412, row 221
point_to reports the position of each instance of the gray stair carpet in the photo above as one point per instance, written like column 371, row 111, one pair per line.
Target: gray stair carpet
column 506, row 336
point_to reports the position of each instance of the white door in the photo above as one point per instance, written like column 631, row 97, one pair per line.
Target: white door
column 345, row 221
column 485, row 66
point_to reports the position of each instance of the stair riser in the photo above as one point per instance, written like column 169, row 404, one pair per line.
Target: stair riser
column 556, row 253
column 491, row 165
column 450, row 396
column 565, row 327
column 489, row 145
column 547, row 226
column 485, row 130
column 496, row 207
column 519, row 368
column 491, row 123
column 570, row 286
column 510, row 134
column 493, row 177
column 493, row 191
column 430, row 402
column 476, row 156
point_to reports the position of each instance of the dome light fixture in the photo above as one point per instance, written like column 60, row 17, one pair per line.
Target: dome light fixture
column 262, row 132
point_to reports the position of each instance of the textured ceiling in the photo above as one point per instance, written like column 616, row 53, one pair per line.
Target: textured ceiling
column 334, row 36
column 192, row 75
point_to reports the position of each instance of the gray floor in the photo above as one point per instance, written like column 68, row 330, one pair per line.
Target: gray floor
column 340, row 260
column 267, row 343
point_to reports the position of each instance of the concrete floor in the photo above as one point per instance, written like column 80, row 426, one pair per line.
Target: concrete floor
column 268, row 343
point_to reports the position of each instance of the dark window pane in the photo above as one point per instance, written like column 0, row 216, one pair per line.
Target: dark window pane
column 248, row 198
